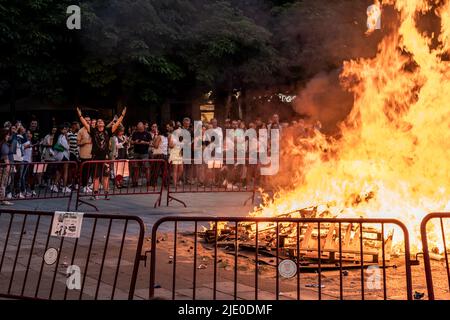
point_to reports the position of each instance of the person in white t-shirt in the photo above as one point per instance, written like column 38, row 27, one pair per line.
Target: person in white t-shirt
column 28, row 148
column 60, row 149
column 27, row 154
column 214, row 165
column 18, row 159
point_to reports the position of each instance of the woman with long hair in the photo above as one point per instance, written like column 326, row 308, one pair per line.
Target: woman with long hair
column 119, row 151
column 160, row 148
column 47, row 143
column 61, row 148
column 175, row 159
column 24, row 145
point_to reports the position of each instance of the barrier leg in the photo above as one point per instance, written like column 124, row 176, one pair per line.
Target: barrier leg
column 79, row 202
column 170, row 198
column 70, row 201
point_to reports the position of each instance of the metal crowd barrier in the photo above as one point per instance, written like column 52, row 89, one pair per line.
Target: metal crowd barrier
column 35, row 264
column 38, row 180
column 61, row 180
column 340, row 240
column 427, row 254
column 213, row 177
column 121, row 177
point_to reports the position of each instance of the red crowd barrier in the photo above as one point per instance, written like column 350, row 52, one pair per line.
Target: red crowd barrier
column 213, row 177
column 38, row 180
column 103, row 179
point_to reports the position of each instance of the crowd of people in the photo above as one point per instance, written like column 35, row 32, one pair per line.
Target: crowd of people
column 88, row 139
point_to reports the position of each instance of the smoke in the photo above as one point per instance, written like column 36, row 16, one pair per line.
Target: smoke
column 336, row 34
column 323, row 99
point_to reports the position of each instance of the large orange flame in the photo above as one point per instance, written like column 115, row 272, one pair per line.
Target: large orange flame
column 393, row 159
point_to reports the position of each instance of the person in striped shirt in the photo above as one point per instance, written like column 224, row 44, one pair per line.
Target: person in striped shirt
column 72, row 138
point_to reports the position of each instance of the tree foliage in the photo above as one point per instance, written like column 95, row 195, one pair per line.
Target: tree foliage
column 33, row 46
column 146, row 51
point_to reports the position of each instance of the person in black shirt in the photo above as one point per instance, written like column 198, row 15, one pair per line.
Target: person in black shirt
column 140, row 140
column 101, row 135
column 35, row 140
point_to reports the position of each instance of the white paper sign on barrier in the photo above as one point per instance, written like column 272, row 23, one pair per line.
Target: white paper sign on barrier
column 67, row 224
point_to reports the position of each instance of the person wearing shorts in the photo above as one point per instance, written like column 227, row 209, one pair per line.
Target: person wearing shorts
column 175, row 160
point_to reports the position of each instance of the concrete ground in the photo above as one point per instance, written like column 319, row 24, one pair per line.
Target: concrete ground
column 201, row 204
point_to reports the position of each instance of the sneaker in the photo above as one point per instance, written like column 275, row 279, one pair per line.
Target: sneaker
column 54, row 188
column 86, row 190
column 66, row 190
column 30, row 194
column 231, row 187
column 6, row 203
column 9, row 196
column 21, row 196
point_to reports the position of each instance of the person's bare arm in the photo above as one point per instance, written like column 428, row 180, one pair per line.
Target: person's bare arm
column 119, row 121
column 171, row 142
column 83, row 120
column 79, row 139
column 157, row 142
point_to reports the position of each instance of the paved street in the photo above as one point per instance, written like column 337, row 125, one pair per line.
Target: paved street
column 200, row 204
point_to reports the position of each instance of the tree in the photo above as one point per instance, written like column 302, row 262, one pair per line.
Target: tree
column 127, row 46
column 33, row 42
column 148, row 50
column 225, row 50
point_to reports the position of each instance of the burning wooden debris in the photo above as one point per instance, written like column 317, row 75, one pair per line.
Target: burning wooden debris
column 308, row 241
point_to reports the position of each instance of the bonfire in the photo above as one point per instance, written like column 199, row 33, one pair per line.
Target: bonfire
column 391, row 157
